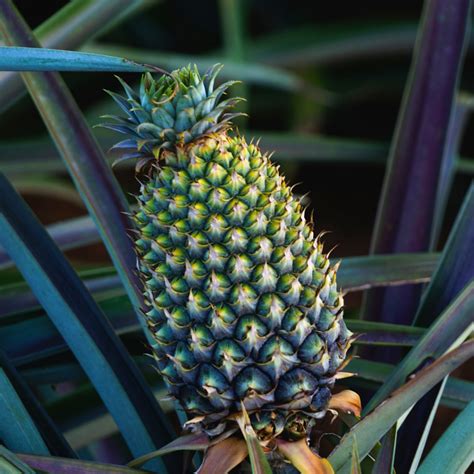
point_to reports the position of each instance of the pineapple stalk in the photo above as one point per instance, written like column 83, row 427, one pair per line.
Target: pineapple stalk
column 241, row 300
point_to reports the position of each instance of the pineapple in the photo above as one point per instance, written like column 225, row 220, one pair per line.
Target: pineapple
column 240, row 299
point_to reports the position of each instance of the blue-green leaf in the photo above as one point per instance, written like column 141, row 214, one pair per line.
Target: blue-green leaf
column 372, row 427
column 17, row 429
column 454, row 451
column 82, row 324
column 455, row 268
column 450, row 328
column 44, row 426
column 10, row 464
column 72, row 25
column 82, row 155
column 15, row 58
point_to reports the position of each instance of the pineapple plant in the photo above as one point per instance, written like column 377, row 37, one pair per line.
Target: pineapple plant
column 229, row 265
column 240, row 298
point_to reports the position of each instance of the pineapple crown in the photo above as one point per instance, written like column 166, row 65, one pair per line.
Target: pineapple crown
column 173, row 110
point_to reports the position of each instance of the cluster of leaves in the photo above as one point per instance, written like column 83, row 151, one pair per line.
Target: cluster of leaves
column 69, row 327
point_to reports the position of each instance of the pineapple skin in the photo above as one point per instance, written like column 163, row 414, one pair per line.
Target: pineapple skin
column 240, row 298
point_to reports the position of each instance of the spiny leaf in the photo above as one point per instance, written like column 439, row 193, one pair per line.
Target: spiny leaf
column 371, row 428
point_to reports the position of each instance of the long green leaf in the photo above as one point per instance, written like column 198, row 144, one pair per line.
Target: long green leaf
column 82, row 156
column 386, row 455
column 358, row 273
column 371, row 428
column 333, row 43
column 69, row 234
column 82, row 324
column 449, row 328
column 189, row 442
column 75, row 23
column 457, row 394
column 455, row 268
column 454, row 451
column 10, row 464
column 14, row 58
column 384, row 334
column 17, row 429
column 46, row 429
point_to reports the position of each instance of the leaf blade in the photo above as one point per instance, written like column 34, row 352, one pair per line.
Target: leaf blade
column 81, row 323
column 378, row 422
column 19, row 58
column 453, row 452
column 406, row 209
column 76, row 22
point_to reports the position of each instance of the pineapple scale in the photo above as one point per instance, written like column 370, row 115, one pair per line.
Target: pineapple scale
column 241, row 300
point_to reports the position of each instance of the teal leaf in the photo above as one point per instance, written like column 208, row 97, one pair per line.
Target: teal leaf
column 16, row 58
column 10, row 464
column 455, row 268
column 449, row 328
column 83, row 157
column 82, row 324
column 457, row 393
column 454, row 451
column 45, row 428
column 78, row 21
column 17, row 429
column 386, row 455
column 373, row 426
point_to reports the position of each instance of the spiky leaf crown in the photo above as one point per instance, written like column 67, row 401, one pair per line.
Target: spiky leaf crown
column 172, row 110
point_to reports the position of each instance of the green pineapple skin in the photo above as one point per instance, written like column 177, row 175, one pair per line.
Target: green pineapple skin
column 240, row 298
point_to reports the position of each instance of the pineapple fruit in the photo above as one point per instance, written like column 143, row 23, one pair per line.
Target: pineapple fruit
column 241, row 301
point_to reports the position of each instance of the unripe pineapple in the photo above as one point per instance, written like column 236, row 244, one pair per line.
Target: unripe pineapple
column 240, row 299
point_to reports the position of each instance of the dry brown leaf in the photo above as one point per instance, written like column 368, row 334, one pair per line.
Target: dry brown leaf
column 346, row 401
column 224, row 456
column 302, row 458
